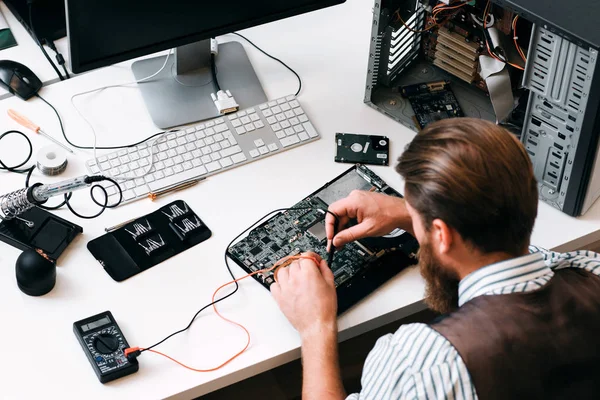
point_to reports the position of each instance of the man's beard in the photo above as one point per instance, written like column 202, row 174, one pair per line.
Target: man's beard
column 441, row 292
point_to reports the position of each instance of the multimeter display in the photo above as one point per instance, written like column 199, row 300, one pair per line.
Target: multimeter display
column 104, row 345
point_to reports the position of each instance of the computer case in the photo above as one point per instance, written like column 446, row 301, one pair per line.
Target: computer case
column 556, row 95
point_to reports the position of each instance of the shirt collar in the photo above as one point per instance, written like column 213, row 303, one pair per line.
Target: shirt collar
column 501, row 274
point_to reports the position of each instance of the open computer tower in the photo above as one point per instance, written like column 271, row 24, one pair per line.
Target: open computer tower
column 430, row 60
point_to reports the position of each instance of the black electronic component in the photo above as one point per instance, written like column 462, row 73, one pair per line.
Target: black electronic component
column 358, row 267
column 104, row 345
column 432, row 101
column 36, row 274
column 149, row 240
column 49, row 233
column 363, row 149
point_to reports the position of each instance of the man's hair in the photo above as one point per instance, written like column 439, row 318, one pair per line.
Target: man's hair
column 477, row 178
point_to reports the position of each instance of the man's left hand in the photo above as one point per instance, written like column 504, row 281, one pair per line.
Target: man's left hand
column 305, row 293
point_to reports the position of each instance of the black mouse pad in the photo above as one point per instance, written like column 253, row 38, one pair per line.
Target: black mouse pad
column 149, row 240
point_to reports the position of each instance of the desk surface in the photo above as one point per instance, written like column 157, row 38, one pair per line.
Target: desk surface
column 329, row 50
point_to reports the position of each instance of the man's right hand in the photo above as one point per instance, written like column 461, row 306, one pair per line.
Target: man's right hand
column 377, row 215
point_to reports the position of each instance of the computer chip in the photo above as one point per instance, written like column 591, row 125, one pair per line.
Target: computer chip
column 318, row 231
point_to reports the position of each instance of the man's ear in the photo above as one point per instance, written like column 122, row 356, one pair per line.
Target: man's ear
column 442, row 236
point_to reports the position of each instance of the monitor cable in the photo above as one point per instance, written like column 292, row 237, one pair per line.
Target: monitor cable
column 40, row 44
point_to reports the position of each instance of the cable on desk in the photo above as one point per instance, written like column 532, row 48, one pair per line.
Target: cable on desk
column 134, row 352
column 16, row 168
column 213, row 71
column 273, row 58
column 39, row 43
column 59, row 57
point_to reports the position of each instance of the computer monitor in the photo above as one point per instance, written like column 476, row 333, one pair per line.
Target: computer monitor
column 104, row 32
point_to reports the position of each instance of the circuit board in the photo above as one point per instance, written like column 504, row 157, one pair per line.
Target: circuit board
column 432, row 102
column 358, row 267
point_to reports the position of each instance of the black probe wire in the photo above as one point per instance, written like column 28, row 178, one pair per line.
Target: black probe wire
column 39, row 43
column 273, row 58
column 231, row 272
column 15, row 168
column 62, row 128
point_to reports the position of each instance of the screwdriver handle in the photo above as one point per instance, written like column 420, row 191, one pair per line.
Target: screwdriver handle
column 23, row 120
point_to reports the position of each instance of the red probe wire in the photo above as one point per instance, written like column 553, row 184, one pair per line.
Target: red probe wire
column 276, row 267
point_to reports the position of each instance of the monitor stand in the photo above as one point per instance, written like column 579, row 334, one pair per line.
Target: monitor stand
column 181, row 93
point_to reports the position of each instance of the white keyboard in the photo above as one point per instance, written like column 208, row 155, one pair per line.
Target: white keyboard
column 207, row 148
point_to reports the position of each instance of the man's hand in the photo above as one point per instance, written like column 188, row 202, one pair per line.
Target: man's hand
column 377, row 214
column 305, row 293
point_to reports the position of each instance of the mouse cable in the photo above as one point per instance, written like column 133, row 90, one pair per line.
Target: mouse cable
column 134, row 352
column 39, row 43
column 273, row 58
column 59, row 57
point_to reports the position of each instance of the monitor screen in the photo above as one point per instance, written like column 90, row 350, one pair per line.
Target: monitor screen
column 103, row 32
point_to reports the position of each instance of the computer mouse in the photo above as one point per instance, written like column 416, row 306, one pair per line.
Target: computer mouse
column 18, row 79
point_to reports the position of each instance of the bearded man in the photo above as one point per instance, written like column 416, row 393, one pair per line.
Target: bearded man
column 518, row 321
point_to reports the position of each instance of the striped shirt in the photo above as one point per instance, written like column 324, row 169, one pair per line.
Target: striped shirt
column 416, row 362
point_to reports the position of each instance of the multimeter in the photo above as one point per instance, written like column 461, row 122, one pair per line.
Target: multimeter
column 104, row 345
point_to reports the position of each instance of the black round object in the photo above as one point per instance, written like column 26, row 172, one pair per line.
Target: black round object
column 106, row 343
column 36, row 275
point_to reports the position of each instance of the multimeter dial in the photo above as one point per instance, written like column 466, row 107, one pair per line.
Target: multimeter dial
column 106, row 343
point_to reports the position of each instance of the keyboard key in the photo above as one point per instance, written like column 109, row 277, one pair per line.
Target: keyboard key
column 144, row 153
column 209, row 140
column 181, row 150
column 290, row 97
column 159, row 174
column 190, row 130
column 187, row 165
column 104, row 158
column 290, row 140
column 215, row 156
column 172, row 144
column 294, row 104
column 299, row 128
column 254, row 153
column 206, row 159
column 188, row 156
column 169, row 162
column 241, row 113
column 285, row 124
column 231, row 150
column 245, row 120
column 196, row 162
column 303, row 136
column 200, row 127
column 178, row 159
column 310, row 129
column 263, row 106
column 215, row 147
column 280, row 134
column 259, row 124
column 254, row 117
column 232, row 141
column 259, row 142
column 225, row 144
column 112, row 156
column 241, row 130
column 249, row 127
column 129, row 184
column 236, row 123
column 190, row 147
column 219, row 121
column 271, row 120
column 250, row 110
column 238, row 158
column 140, row 172
column 290, row 131
column 149, row 178
column 294, row 121
column 115, row 162
column 196, row 153
column 280, row 101
column 105, row 166
column 163, row 147
column 200, row 135
column 285, row 107
column 289, row 114
column 268, row 113
column 206, row 150
column 175, row 179
column 209, row 131
column 124, row 159
column 276, row 110
column 169, row 171
column 272, row 103
column 273, row 147
column 121, row 153
column 181, row 141
column 221, row 128
column 191, row 137
column 177, row 168
column 226, row 162
column 200, row 143
column 280, row 117
column 263, row 150
column 210, row 123
column 303, row 118
column 123, row 169
column 213, row 166
column 276, row 127
column 218, row 137
column 138, row 182
column 128, row 195
column 144, row 162
column 171, row 136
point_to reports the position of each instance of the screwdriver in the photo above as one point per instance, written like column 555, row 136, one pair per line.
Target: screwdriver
column 30, row 125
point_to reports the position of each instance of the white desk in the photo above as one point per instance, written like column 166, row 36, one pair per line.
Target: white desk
column 43, row 358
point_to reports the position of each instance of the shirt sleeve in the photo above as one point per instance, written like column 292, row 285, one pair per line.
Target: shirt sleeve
column 413, row 363
column 584, row 259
